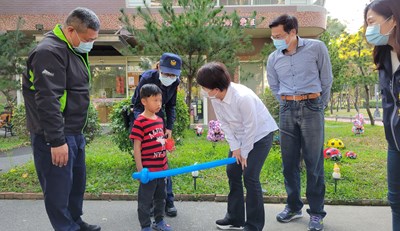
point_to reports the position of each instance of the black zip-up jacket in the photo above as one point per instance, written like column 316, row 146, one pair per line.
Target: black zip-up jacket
column 56, row 89
column 168, row 97
column 390, row 89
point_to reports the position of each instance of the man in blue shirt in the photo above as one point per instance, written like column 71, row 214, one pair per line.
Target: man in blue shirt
column 300, row 76
column 166, row 77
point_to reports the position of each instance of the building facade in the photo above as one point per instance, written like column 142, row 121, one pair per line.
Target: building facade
column 115, row 75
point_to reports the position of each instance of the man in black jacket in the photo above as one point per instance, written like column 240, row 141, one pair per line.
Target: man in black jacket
column 166, row 77
column 56, row 94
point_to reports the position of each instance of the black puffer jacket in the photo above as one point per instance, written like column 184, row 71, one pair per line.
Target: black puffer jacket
column 56, row 89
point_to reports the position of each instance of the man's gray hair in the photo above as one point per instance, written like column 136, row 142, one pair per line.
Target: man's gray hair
column 82, row 19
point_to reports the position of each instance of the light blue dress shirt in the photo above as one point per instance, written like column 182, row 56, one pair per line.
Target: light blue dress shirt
column 307, row 71
column 243, row 117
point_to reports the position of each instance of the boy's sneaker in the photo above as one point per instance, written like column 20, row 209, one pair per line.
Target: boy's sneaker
column 287, row 215
column 316, row 223
column 147, row 229
column 225, row 224
column 161, row 226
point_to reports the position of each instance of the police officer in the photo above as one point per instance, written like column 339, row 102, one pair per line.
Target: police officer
column 166, row 77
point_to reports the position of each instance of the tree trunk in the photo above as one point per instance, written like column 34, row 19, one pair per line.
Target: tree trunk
column 356, row 100
column 332, row 104
column 189, row 86
column 371, row 118
column 348, row 100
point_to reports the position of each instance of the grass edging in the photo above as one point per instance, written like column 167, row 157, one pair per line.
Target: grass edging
column 190, row 197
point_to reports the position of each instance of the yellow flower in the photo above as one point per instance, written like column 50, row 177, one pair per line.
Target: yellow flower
column 13, row 170
column 25, row 175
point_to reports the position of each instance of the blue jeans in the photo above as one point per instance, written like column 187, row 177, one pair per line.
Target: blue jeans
column 63, row 188
column 393, row 172
column 302, row 134
column 255, row 215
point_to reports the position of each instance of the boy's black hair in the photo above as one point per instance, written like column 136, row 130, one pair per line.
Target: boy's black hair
column 148, row 90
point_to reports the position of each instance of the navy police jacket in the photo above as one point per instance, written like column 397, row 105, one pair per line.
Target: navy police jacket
column 167, row 111
column 390, row 88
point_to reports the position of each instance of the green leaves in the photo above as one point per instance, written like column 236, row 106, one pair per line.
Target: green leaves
column 14, row 47
column 199, row 32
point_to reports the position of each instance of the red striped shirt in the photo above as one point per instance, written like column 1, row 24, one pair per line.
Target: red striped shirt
column 151, row 134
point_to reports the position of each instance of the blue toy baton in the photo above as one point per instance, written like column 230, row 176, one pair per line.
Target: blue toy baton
column 145, row 176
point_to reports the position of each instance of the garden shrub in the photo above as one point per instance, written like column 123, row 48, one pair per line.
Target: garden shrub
column 91, row 130
column 19, row 122
column 93, row 127
column 271, row 103
column 121, row 131
column 182, row 121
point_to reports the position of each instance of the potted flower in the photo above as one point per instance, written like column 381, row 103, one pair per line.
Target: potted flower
column 215, row 132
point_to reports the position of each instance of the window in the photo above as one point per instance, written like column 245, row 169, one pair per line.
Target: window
column 135, row 3
column 108, row 81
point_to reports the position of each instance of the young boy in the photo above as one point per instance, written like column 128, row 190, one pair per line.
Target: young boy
column 149, row 151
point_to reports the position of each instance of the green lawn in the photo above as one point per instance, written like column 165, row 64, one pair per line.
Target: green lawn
column 11, row 142
column 109, row 170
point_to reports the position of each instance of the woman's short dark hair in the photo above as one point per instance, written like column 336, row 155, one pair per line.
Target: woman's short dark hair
column 82, row 19
column 287, row 21
column 148, row 90
column 385, row 8
column 214, row 75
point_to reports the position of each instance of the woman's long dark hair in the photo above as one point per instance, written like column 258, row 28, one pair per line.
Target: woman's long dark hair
column 385, row 8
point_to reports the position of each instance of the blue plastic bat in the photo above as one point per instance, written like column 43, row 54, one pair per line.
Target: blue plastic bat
column 145, row 176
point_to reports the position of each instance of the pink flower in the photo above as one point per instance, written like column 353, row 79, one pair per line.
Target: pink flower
column 215, row 132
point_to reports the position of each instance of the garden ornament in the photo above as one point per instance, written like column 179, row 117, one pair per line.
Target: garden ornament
column 215, row 132
column 334, row 143
column 336, row 174
column 351, row 155
column 333, row 154
column 199, row 130
column 358, row 125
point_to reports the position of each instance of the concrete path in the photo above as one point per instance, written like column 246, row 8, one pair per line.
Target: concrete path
column 30, row 215
column 14, row 158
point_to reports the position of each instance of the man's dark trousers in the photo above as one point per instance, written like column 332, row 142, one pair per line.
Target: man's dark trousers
column 63, row 188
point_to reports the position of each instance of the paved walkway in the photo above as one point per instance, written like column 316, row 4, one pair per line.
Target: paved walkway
column 14, row 158
column 29, row 215
column 350, row 119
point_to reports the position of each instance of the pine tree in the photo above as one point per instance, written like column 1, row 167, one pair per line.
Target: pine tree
column 199, row 31
column 14, row 46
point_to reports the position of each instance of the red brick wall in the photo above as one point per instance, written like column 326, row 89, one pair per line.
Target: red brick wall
column 50, row 12
column 59, row 6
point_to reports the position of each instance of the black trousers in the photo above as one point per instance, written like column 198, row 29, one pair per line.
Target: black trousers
column 64, row 187
column 255, row 215
column 152, row 193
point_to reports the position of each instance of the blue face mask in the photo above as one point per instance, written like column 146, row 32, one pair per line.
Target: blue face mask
column 83, row 47
column 374, row 36
column 280, row 44
column 167, row 81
